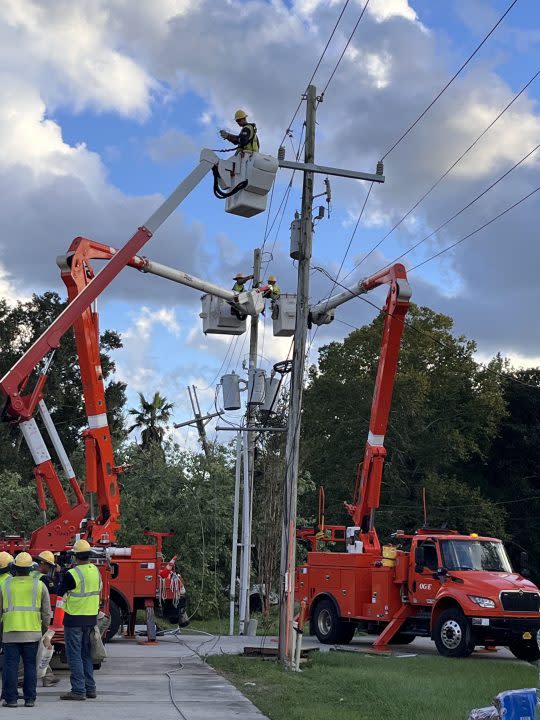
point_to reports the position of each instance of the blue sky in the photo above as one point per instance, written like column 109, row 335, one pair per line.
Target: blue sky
column 96, row 133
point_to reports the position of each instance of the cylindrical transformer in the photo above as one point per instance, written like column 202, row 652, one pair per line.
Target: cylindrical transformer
column 230, row 387
column 295, row 238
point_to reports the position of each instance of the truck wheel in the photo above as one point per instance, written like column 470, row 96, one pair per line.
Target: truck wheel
column 329, row 629
column 116, row 620
column 453, row 634
column 525, row 650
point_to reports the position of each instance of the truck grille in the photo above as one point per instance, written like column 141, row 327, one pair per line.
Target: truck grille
column 516, row 601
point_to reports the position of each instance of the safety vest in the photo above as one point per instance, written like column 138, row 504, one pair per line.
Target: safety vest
column 21, row 601
column 84, row 599
column 238, row 288
column 253, row 144
column 4, row 577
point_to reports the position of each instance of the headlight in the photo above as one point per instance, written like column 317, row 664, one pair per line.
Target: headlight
column 482, row 601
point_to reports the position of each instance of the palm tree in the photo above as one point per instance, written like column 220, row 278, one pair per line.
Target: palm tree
column 149, row 417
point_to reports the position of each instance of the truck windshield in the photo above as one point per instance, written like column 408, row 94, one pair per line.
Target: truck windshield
column 475, row 555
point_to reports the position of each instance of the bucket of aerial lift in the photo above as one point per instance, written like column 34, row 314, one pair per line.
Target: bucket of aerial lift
column 256, row 386
column 284, row 315
column 252, row 302
column 258, row 170
column 219, row 318
column 295, row 238
column 230, row 388
column 271, row 394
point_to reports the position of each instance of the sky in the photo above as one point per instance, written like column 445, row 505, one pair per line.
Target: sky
column 107, row 103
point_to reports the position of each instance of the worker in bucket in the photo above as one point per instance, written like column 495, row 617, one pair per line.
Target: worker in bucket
column 239, row 281
column 82, row 587
column 246, row 139
column 272, row 291
column 47, row 572
column 26, row 613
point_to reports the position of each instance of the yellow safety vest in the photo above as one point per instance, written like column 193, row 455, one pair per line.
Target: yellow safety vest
column 238, row 288
column 4, row 577
column 253, row 144
column 84, row 599
column 21, row 599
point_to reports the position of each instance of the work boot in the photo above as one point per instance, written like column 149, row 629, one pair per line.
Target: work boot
column 29, row 703
column 72, row 696
column 50, row 680
column 10, row 704
column 91, row 694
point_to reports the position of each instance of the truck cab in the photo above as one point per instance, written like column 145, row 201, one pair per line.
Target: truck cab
column 475, row 596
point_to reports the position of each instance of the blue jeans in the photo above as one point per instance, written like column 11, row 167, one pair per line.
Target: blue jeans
column 13, row 652
column 79, row 657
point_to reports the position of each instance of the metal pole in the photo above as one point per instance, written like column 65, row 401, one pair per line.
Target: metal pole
column 234, row 549
column 244, row 575
column 250, row 414
column 288, row 538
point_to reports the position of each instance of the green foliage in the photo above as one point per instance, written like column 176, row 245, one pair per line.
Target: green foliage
column 20, row 325
column 445, row 413
column 191, row 496
column 18, row 504
column 150, row 417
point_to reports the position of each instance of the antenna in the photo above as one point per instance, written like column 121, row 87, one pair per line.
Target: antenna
column 425, row 505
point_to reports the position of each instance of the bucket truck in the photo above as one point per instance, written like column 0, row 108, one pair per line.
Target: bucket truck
column 459, row 590
column 136, row 577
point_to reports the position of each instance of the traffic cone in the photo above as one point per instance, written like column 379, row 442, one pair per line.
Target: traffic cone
column 58, row 617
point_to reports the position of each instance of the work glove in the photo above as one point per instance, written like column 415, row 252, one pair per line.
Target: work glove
column 224, row 134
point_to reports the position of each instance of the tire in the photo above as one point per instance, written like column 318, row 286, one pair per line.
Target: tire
column 453, row 634
column 116, row 621
column 402, row 638
column 328, row 627
column 525, row 650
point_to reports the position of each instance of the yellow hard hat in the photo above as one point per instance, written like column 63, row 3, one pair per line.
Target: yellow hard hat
column 5, row 559
column 272, row 279
column 24, row 560
column 81, row 546
column 48, row 557
column 240, row 114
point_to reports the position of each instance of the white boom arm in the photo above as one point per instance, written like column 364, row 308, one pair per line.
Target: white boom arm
column 323, row 312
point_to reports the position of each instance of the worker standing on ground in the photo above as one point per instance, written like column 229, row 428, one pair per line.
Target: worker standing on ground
column 247, row 139
column 82, row 585
column 239, row 281
column 5, row 571
column 47, row 573
column 26, row 614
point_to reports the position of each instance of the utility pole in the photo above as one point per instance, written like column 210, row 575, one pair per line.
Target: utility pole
column 199, row 422
column 288, row 539
column 250, row 418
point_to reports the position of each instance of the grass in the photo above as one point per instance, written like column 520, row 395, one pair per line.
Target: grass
column 351, row 686
column 220, row 625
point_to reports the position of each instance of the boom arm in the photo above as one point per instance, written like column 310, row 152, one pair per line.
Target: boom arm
column 368, row 487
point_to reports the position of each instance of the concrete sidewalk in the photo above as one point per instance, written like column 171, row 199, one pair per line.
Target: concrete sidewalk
column 133, row 685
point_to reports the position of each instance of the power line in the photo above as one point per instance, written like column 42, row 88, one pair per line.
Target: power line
column 477, row 230
column 459, row 212
column 462, row 67
column 315, row 71
column 413, row 327
column 343, row 53
column 448, row 171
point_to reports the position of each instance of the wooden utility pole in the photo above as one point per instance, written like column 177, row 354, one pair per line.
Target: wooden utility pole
column 199, row 422
column 288, row 541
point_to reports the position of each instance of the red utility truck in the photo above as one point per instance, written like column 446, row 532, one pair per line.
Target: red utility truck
column 460, row 590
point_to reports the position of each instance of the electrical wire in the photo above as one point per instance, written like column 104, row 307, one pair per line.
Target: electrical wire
column 344, row 51
column 456, row 74
column 291, row 121
column 447, row 172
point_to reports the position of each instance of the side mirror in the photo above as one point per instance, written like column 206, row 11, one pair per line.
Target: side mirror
column 419, row 559
column 524, row 562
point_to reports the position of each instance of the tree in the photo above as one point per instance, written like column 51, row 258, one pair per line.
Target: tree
column 445, row 413
column 150, row 416
column 20, row 325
